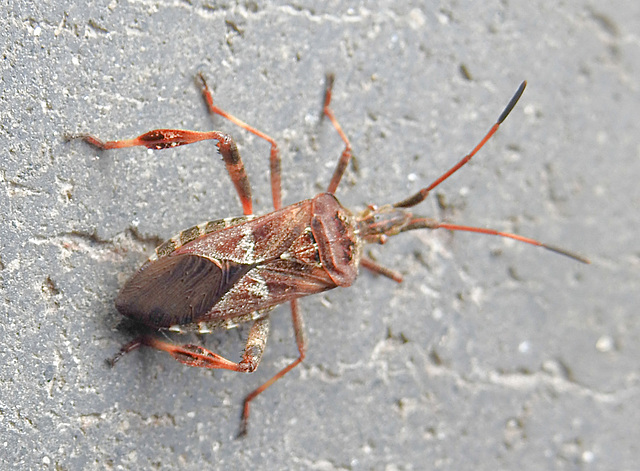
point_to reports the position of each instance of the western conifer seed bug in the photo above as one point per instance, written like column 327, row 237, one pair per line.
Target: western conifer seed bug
column 226, row 272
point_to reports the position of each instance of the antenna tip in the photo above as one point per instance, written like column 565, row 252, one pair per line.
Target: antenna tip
column 566, row 253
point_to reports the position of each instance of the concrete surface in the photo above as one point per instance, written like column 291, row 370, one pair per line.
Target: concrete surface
column 491, row 355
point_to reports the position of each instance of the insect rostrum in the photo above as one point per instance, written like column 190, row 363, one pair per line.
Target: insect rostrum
column 236, row 270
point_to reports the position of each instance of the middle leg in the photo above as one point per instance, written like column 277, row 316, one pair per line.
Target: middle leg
column 301, row 342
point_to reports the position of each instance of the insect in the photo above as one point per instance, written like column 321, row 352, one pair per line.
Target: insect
column 230, row 271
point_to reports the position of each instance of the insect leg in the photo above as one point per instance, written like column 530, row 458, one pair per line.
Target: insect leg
column 345, row 157
column 375, row 267
column 194, row 355
column 275, row 168
column 301, row 342
column 274, row 161
column 166, row 138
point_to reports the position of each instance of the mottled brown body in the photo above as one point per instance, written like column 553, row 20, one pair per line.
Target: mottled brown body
column 230, row 271
column 248, row 267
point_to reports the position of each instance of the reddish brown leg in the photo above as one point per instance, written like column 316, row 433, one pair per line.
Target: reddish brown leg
column 276, row 192
column 301, row 342
column 375, row 267
column 166, row 138
column 345, row 157
column 131, row 346
column 194, row 355
column 346, row 153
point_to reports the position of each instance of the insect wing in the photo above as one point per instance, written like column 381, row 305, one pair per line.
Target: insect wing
column 283, row 256
column 255, row 241
column 177, row 289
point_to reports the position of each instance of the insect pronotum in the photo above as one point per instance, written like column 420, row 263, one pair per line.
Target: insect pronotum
column 230, row 271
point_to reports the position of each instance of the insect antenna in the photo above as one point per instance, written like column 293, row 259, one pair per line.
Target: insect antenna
column 428, row 223
column 421, row 195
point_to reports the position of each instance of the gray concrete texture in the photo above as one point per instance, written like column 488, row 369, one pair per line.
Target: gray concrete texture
column 491, row 355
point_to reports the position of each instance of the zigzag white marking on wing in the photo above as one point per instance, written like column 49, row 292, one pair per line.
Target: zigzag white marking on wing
column 247, row 246
column 257, row 285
